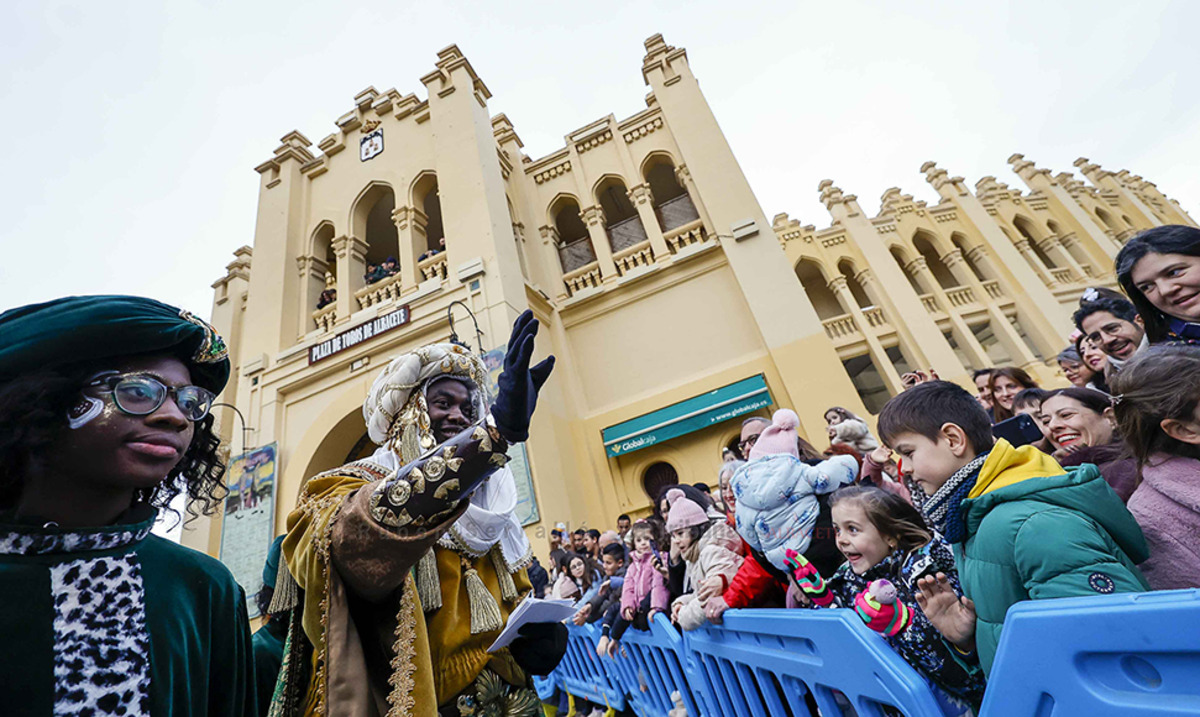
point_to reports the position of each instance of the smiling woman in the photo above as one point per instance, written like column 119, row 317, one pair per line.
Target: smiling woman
column 104, row 419
column 1160, row 271
column 1080, row 423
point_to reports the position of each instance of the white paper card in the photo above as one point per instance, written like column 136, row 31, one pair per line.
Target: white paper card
column 532, row 609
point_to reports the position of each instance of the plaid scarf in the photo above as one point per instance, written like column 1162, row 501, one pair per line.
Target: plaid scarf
column 942, row 508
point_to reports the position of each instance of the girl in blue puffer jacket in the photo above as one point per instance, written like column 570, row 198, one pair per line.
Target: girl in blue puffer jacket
column 776, row 492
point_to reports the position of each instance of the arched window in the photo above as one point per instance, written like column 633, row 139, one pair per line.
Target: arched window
column 658, row 476
column 903, row 264
column 860, row 296
column 372, row 222
column 960, row 243
column 1025, row 227
column 1107, row 219
column 824, row 302
column 672, row 205
column 924, row 246
column 622, row 224
column 426, row 198
column 574, row 246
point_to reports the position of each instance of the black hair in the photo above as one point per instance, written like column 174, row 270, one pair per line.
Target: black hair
column 616, row 550
column 1158, row 383
column 622, row 516
column 263, row 599
column 701, row 486
column 926, row 407
column 33, row 419
column 1118, row 307
column 981, row 372
column 580, row 531
column 1092, row 400
column 594, row 534
column 1170, row 239
column 1030, row 396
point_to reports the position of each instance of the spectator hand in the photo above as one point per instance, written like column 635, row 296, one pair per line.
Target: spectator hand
column 710, row 587
column 881, row 455
column 662, row 569
column 627, row 613
column 879, row 608
column 519, row 384
column 953, row 616
column 539, row 647
column 581, row 615
column 714, row 609
column 808, row 579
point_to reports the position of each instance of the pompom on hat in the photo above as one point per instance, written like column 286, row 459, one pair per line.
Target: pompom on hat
column 779, row 437
column 92, row 328
column 683, row 513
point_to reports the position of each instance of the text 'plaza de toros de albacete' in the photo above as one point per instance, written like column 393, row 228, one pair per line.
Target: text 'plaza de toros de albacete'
column 675, row 306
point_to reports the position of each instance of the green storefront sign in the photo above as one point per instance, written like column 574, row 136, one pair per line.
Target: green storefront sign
column 690, row 415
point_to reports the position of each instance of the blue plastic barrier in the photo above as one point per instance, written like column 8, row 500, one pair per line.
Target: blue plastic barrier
column 1113, row 655
column 1132, row 655
column 763, row 660
column 546, row 686
column 652, row 665
column 582, row 672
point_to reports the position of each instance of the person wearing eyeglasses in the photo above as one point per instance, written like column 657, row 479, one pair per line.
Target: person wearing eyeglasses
column 104, row 419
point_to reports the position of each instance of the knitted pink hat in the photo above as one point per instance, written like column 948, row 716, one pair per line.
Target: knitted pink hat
column 684, row 513
column 779, row 437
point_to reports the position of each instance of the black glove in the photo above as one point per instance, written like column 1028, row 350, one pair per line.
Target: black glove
column 519, row 384
column 539, row 647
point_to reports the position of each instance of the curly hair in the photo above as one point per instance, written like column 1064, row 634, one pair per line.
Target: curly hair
column 33, row 410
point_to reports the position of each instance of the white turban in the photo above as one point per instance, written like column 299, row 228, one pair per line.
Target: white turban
column 400, row 379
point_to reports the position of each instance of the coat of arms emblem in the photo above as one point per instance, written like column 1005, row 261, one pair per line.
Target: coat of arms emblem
column 371, row 145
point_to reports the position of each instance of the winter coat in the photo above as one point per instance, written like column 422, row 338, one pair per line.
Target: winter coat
column 854, row 432
column 1035, row 531
column 1118, row 471
column 641, row 579
column 720, row 554
column 538, row 578
column 568, row 588
column 920, row 644
column 1167, row 506
column 777, row 500
column 605, row 599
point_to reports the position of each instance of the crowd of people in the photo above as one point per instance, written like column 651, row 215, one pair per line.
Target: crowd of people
column 933, row 529
column 398, row 571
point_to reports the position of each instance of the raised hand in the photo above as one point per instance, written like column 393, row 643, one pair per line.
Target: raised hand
column 953, row 616
column 808, row 578
column 519, row 384
column 881, row 610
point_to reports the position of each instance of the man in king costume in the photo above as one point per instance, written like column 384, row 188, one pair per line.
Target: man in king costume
column 408, row 563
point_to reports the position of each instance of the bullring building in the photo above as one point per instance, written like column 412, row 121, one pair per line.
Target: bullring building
column 675, row 305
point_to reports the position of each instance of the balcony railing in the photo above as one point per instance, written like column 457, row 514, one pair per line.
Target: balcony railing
column 993, row 289
column 582, row 278
column 433, row 267
column 1063, row 276
column 675, row 213
column 386, row 289
column 840, row 327
column 875, row 317
column 576, row 254
column 685, row 236
column 325, row 318
column 633, row 257
column 626, row 233
column 929, row 301
column 962, row 296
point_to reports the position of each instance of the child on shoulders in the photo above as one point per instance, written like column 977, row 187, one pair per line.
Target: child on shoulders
column 1022, row 526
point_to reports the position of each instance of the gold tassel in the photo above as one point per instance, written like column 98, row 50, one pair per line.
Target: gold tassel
column 287, row 592
column 508, row 588
column 485, row 613
column 429, row 586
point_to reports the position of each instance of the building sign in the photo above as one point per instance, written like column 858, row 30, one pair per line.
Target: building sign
column 371, row 145
column 518, row 459
column 352, row 337
column 693, row 414
column 249, row 524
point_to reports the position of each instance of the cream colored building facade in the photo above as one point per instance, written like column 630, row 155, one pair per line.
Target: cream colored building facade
column 657, row 276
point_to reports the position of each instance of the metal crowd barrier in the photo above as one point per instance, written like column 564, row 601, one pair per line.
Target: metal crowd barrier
column 1132, row 655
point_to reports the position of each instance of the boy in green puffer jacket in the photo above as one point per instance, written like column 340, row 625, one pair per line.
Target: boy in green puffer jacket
column 1022, row 526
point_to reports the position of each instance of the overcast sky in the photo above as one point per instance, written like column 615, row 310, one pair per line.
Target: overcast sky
column 132, row 129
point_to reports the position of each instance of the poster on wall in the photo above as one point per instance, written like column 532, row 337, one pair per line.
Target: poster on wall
column 518, row 463
column 249, row 524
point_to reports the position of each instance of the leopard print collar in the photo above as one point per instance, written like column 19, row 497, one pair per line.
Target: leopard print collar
column 18, row 539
